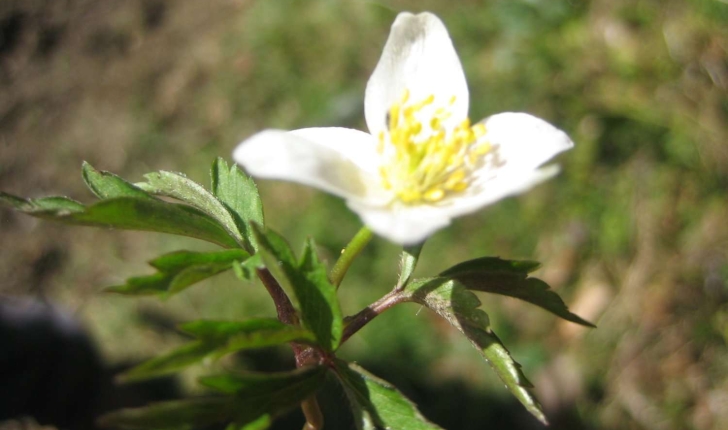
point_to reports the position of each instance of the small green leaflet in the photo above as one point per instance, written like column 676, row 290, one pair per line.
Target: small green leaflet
column 408, row 262
column 309, row 282
column 240, row 196
column 179, row 270
column 263, row 396
column 249, row 401
column 459, row 307
column 180, row 187
column 218, row 338
column 126, row 213
column 377, row 402
column 106, row 185
column 510, row 278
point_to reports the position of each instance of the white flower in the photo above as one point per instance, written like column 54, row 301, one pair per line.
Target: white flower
column 422, row 162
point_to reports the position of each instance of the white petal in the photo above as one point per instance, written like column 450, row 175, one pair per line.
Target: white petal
column 337, row 160
column 495, row 189
column 522, row 141
column 405, row 225
column 418, row 56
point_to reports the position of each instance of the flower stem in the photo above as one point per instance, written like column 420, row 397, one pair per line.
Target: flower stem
column 284, row 307
column 355, row 246
column 356, row 322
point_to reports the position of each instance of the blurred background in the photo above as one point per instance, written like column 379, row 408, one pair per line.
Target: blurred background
column 633, row 233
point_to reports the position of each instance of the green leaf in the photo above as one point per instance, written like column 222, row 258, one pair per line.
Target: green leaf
column 179, row 270
column 510, row 278
column 261, row 423
column 407, row 263
column 106, row 185
column 127, row 213
column 178, row 186
column 493, row 264
column 261, row 395
column 213, row 330
column 250, row 402
column 218, row 338
column 42, row 207
column 459, row 307
column 172, row 415
column 171, row 362
column 309, row 282
column 246, row 270
column 376, row 401
column 255, row 383
column 240, row 196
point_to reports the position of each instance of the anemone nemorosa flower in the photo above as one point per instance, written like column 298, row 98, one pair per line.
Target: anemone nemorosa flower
column 423, row 162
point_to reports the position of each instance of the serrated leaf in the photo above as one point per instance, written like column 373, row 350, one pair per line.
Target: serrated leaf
column 510, row 278
column 378, row 402
column 240, row 196
column 127, row 213
column 259, row 395
column 251, row 401
column 459, row 307
column 309, row 282
column 218, row 338
column 173, row 415
column 179, row 270
column 106, row 185
column 180, row 187
column 211, row 329
column 493, row 264
column 42, row 206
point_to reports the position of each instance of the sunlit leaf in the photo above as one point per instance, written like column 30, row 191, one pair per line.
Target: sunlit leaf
column 408, row 262
column 510, row 278
column 179, row 270
column 240, row 196
column 106, row 185
column 377, row 402
column 459, row 307
column 180, row 187
column 126, row 213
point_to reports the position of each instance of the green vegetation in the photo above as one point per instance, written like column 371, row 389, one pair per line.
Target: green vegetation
column 632, row 234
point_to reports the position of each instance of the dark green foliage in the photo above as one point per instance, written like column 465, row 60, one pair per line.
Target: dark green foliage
column 510, row 278
column 217, row 338
column 127, row 213
column 179, row 270
column 308, row 281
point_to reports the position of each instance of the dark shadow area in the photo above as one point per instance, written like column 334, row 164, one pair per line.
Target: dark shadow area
column 51, row 371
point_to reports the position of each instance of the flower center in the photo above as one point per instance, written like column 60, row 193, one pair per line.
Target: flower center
column 423, row 160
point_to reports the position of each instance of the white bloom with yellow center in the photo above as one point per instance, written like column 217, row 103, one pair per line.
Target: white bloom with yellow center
column 422, row 163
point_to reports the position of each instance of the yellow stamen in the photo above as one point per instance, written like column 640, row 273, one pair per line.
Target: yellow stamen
column 425, row 158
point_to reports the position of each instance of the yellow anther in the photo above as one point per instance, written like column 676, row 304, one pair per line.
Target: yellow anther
column 434, row 195
column 428, row 164
column 482, row 148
